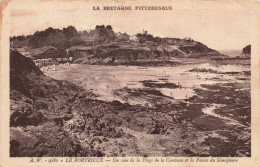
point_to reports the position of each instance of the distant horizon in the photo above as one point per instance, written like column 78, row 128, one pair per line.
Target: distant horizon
column 232, row 52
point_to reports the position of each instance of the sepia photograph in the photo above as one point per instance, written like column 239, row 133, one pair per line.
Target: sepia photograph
column 100, row 79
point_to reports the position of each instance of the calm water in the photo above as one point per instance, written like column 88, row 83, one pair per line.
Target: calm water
column 231, row 53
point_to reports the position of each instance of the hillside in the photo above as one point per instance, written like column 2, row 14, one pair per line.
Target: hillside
column 140, row 54
column 109, row 47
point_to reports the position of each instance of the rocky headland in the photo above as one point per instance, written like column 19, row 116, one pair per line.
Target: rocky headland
column 103, row 46
column 246, row 52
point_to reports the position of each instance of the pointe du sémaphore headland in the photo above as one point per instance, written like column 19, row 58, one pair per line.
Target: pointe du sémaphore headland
column 101, row 93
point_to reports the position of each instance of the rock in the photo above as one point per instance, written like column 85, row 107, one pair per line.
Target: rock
column 246, row 52
column 24, row 139
column 188, row 151
column 141, row 122
column 95, row 140
column 97, row 153
column 26, row 117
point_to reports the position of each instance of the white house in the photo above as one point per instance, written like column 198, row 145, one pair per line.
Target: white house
column 134, row 38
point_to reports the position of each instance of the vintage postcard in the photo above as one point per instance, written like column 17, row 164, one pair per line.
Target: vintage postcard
column 130, row 83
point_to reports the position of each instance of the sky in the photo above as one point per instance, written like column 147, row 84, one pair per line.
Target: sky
column 218, row 27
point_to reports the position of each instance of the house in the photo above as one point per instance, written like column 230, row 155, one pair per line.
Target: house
column 59, row 59
column 91, row 36
column 122, row 37
column 89, row 39
column 43, row 62
column 134, row 38
column 65, row 59
column 188, row 39
column 81, row 53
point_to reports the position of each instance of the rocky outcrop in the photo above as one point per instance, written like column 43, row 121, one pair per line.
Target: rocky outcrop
column 246, row 52
column 145, row 54
column 39, row 105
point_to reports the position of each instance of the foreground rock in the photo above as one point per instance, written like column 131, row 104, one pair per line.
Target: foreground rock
column 39, row 105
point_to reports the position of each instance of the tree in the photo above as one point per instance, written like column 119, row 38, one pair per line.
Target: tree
column 33, row 42
column 109, row 27
column 100, row 27
column 70, row 32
